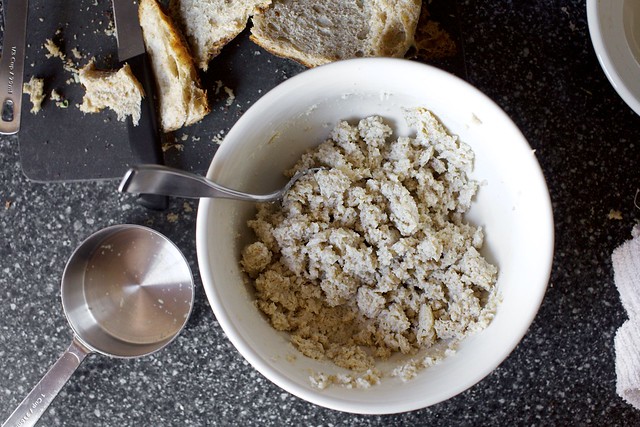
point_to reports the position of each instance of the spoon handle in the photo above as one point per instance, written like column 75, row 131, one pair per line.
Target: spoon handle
column 38, row 400
column 157, row 179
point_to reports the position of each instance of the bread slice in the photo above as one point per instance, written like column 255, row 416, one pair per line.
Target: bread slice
column 315, row 33
column 211, row 24
column 181, row 100
column 118, row 90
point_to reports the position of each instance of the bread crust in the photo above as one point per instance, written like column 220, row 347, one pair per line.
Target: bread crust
column 278, row 51
column 177, row 42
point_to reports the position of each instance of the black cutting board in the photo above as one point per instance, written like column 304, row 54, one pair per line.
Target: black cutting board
column 64, row 144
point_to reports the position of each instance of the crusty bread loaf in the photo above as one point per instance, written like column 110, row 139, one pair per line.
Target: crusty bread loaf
column 118, row 90
column 211, row 24
column 314, row 33
column 181, row 100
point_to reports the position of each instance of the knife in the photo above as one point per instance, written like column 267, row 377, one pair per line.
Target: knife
column 144, row 139
column 12, row 64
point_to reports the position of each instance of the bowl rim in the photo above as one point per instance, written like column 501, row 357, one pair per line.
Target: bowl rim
column 317, row 397
column 622, row 71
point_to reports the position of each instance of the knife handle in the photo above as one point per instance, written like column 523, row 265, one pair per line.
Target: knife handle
column 145, row 138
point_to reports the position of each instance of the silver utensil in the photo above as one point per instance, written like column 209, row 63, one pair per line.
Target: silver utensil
column 127, row 291
column 12, row 65
column 156, row 179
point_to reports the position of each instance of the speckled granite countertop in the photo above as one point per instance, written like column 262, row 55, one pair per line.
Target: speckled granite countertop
column 534, row 59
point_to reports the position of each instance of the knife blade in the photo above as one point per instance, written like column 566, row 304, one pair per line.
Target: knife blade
column 12, row 64
column 145, row 138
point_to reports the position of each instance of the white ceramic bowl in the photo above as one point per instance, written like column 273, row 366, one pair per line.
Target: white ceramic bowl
column 614, row 26
column 513, row 206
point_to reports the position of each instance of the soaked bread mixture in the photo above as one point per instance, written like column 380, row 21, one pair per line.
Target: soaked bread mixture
column 371, row 256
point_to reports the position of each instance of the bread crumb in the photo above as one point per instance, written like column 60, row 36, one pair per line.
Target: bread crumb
column 111, row 28
column 614, row 214
column 219, row 85
column 371, row 256
column 53, row 50
column 172, row 217
column 35, row 89
column 230, row 96
column 370, row 378
column 218, row 138
column 186, row 206
column 60, row 101
column 76, row 53
column 291, row 358
column 55, row 96
column 75, row 79
column 166, row 146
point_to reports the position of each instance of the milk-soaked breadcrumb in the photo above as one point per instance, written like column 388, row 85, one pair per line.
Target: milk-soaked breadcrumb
column 371, row 256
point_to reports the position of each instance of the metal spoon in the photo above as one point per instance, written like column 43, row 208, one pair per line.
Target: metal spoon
column 156, row 179
column 127, row 291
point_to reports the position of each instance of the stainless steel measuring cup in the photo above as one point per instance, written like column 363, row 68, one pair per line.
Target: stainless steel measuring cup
column 127, row 291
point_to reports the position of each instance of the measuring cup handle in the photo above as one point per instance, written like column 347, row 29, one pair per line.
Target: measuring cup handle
column 33, row 406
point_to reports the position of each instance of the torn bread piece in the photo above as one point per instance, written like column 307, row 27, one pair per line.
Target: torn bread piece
column 181, row 99
column 211, row 24
column 315, row 33
column 118, row 90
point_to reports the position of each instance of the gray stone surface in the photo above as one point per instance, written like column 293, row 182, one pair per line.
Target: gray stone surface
column 535, row 60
